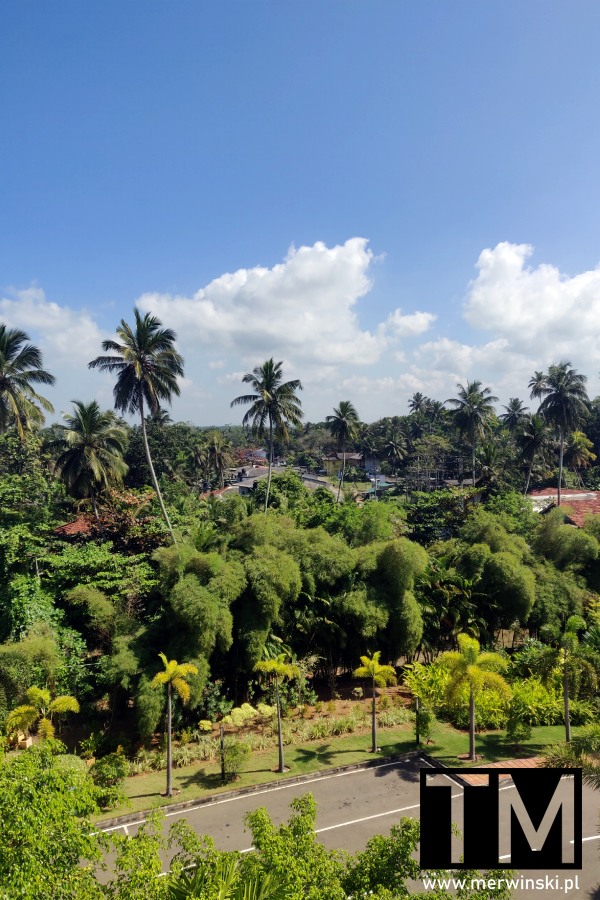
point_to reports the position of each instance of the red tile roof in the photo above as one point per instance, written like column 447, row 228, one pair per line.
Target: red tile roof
column 577, row 503
column 82, row 525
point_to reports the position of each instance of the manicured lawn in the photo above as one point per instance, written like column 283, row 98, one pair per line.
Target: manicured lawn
column 200, row 779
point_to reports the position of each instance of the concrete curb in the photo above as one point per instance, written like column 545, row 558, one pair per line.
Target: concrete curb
column 131, row 818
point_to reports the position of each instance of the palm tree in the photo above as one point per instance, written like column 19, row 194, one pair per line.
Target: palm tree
column 565, row 404
column 536, row 385
column 532, row 439
column 219, row 455
column 91, row 445
column 472, row 412
column 224, row 879
column 379, row 676
column 277, row 669
column 20, row 369
column 394, row 447
column 147, row 367
column 579, row 452
column 418, row 403
column 567, row 657
column 274, row 406
column 343, row 425
column 40, row 709
column 476, row 671
column 583, row 752
column 514, row 415
column 174, row 676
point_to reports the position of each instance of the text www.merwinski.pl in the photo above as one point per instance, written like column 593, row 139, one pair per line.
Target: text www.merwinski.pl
column 520, row 883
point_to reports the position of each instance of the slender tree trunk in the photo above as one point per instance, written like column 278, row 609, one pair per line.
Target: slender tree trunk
column 94, row 504
column 279, row 731
column 270, row 467
column 566, row 698
column 560, row 462
column 374, row 720
column 528, row 478
column 169, row 748
column 471, row 727
column 473, row 461
column 341, row 482
column 153, row 473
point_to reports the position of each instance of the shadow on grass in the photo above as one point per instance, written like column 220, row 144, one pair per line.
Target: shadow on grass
column 203, row 779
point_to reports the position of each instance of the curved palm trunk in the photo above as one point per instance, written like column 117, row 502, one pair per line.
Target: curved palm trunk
column 374, row 720
column 281, row 767
column 169, row 747
column 153, row 473
column 528, row 478
column 566, row 698
column 270, row 466
column 343, row 472
column 471, row 727
column 560, row 461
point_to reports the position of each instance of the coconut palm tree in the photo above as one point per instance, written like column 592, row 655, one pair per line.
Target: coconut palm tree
column 274, row 406
column 394, row 447
column 379, row 676
column 278, row 669
column 418, row 403
column 564, row 406
column 225, row 879
column 532, row 439
column 91, row 447
column 174, row 675
column 21, row 369
column 514, row 415
column 147, row 366
column 470, row 668
column 343, row 425
column 39, row 710
column 579, row 453
column 472, row 412
column 536, row 385
column 219, row 454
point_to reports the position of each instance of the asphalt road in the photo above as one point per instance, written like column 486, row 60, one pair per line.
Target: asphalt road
column 354, row 806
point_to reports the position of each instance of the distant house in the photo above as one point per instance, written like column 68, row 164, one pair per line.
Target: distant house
column 577, row 504
column 333, row 464
column 81, row 526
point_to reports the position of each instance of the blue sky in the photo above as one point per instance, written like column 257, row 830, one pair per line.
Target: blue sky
column 388, row 196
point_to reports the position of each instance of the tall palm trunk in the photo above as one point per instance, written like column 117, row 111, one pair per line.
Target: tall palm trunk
column 560, row 461
column 374, row 720
column 169, row 747
column 566, row 698
column 152, row 472
column 270, row 464
column 473, row 461
column 528, row 477
column 471, row 727
column 281, row 767
column 343, row 472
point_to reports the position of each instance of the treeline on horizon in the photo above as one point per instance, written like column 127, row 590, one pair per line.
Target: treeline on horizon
column 224, row 582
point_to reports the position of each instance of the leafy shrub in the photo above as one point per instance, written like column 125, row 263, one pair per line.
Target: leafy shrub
column 108, row 774
column 583, row 712
column 491, row 710
column 427, row 722
column 517, row 730
column 535, row 703
column 236, row 753
column 389, row 718
column 205, row 726
column 318, row 731
column 240, row 715
column 428, row 683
